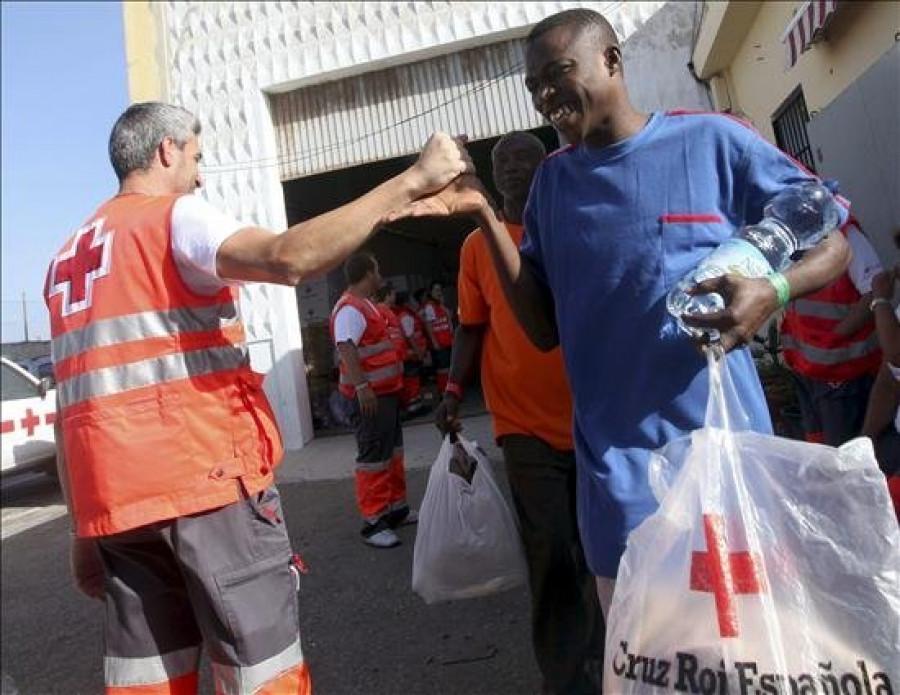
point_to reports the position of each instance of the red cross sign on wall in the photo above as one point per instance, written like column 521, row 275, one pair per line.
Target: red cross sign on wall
column 724, row 574
column 74, row 272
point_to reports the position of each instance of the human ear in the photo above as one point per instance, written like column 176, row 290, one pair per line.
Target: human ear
column 612, row 59
column 165, row 151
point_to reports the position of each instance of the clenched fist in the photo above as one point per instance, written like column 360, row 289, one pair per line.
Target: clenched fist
column 443, row 159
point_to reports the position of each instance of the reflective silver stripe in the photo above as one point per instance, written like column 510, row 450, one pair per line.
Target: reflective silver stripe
column 374, row 375
column 376, row 349
column 147, row 324
column 831, row 356
column 372, row 466
column 246, row 680
column 821, row 310
column 157, row 370
column 122, row 671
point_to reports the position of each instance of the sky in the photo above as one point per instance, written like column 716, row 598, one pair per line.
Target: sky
column 63, row 85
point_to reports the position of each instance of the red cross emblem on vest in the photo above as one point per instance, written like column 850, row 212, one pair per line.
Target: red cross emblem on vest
column 74, row 272
column 725, row 574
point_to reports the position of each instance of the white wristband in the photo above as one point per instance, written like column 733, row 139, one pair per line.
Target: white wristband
column 878, row 300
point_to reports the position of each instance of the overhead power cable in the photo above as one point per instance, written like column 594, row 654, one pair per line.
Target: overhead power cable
column 298, row 158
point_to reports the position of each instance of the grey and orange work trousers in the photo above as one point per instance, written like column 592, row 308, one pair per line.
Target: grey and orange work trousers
column 225, row 578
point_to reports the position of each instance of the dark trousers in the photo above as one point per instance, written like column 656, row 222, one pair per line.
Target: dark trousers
column 380, row 473
column 887, row 451
column 566, row 620
column 833, row 413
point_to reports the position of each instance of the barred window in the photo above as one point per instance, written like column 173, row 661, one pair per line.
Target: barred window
column 789, row 123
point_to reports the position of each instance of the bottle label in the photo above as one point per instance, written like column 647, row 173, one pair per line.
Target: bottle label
column 735, row 256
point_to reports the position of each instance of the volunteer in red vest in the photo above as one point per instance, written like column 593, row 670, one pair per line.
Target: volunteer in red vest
column 167, row 443
column 439, row 328
column 371, row 376
column 385, row 297
column 829, row 342
column 414, row 355
column 530, row 403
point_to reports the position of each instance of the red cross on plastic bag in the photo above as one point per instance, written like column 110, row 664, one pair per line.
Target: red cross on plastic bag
column 724, row 574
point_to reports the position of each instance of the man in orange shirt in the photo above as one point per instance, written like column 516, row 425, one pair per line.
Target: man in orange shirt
column 529, row 400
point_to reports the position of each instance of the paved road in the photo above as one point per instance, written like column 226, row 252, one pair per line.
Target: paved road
column 364, row 631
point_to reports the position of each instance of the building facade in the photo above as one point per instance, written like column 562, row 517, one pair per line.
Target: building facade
column 306, row 104
column 821, row 79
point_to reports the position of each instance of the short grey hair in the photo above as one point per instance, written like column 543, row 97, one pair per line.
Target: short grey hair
column 141, row 128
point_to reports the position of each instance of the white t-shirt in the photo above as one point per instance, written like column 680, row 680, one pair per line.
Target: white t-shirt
column 408, row 324
column 198, row 230
column 349, row 325
column 864, row 262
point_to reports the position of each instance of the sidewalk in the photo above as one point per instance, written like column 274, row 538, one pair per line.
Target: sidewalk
column 333, row 458
column 364, row 630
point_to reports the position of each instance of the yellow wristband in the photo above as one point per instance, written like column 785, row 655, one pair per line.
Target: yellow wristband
column 782, row 288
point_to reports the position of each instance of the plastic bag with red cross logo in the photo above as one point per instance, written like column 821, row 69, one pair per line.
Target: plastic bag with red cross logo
column 771, row 566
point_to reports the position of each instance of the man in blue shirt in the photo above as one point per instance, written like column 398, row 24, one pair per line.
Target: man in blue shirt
column 613, row 223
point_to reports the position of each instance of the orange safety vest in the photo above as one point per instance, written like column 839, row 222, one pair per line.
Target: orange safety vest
column 395, row 330
column 378, row 356
column 441, row 327
column 161, row 415
column 419, row 339
column 812, row 348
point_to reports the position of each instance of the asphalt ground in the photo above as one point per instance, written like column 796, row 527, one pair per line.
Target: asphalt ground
column 364, row 630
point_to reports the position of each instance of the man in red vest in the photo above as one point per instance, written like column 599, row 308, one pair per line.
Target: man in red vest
column 166, row 440
column 829, row 342
column 439, row 328
column 415, row 354
column 371, row 376
column 386, row 297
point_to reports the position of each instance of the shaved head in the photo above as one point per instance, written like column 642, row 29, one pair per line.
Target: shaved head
column 580, row 21
column 522, row 139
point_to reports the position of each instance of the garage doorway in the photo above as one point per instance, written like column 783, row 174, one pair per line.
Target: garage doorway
column 410, row 253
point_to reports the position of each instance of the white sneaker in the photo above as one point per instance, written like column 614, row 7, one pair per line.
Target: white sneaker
column 382, row 539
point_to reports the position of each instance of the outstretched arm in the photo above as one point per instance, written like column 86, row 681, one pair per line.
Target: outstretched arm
column 314, row 247
column 530, row 300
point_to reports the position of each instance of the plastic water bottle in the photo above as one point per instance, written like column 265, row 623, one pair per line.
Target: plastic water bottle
column 794, row 220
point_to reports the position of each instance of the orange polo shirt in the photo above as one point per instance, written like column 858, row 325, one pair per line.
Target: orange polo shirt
column 525, row 389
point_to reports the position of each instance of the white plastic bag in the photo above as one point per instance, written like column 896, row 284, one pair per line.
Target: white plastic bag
column 467, row 543
column 771, row 566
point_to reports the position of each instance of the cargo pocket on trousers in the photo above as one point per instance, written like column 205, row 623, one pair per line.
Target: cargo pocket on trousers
column 269, row 537
column 260, row 606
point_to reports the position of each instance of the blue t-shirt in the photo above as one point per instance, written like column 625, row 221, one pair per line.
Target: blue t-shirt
column 610, row 231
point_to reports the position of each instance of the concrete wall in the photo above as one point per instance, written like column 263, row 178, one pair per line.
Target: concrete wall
column 859, row 34
column 856, row 140
column 656, row 58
